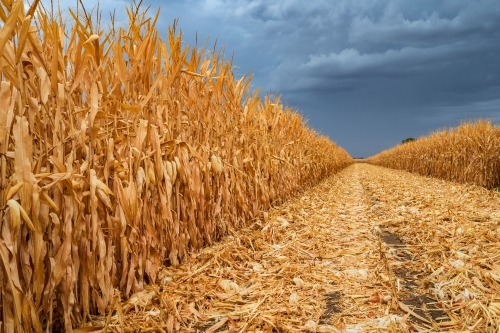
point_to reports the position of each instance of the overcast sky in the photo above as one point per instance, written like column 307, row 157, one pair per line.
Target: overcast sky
column 367, row 73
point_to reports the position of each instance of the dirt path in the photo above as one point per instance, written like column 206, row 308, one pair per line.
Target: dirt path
column 368, row 250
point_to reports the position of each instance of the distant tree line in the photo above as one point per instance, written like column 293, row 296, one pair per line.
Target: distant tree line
column 407, row 140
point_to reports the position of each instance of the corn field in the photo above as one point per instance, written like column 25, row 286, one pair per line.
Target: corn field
column 469, row 153
column 121, row 152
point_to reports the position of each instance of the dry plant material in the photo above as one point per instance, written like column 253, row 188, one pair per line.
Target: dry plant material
column 312, row 265
column 119, row 152
column 446, row 266
column 469, row 153
column 367, row 250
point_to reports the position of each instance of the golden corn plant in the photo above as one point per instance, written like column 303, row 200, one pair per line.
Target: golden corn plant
column 469, row 153
column 120, row 152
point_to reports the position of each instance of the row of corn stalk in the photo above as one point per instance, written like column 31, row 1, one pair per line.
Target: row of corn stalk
column 469, row 153
column 120, row 152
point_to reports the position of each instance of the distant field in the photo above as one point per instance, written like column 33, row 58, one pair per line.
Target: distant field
column 467, row 154
column 360, row 160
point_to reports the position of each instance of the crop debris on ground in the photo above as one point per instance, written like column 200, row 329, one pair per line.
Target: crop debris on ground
column 368, row 250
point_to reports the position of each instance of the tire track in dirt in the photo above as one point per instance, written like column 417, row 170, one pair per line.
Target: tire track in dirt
column 440, row 241
column 406, row 296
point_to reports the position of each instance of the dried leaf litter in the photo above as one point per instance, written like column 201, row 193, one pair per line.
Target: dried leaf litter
column 368, row 250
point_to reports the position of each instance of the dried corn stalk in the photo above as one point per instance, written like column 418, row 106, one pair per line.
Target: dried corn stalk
column 119, row 152
column 469, row 153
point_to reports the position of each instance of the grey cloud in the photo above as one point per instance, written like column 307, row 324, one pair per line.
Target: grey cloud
column 430, row 29
column 350, row 69
column 351, row 62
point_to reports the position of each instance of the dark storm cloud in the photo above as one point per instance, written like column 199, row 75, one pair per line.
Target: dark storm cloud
column 385, row 43
column 434, row 28
column 368, row 73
